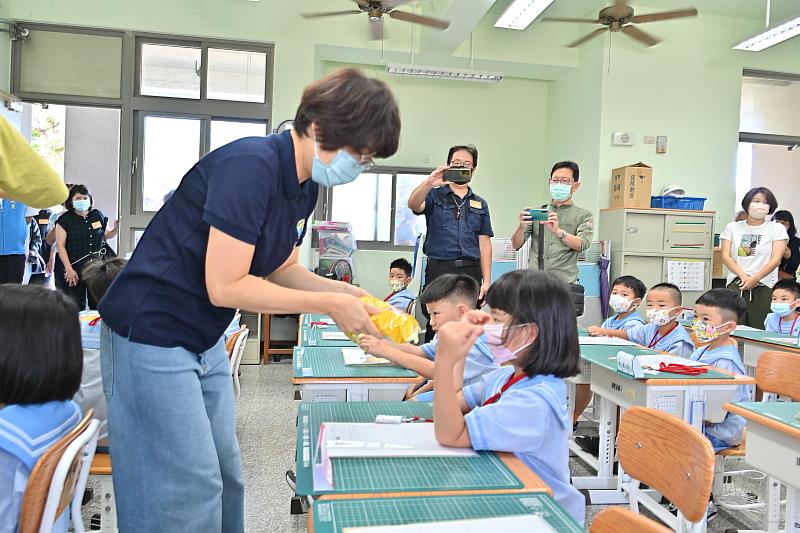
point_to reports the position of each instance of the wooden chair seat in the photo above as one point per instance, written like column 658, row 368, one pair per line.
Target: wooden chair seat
column 101, row 465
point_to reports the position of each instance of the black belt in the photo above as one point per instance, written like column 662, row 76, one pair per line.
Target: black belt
column 456, row 263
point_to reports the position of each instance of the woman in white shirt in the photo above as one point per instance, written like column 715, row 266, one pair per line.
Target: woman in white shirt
column 752, row 250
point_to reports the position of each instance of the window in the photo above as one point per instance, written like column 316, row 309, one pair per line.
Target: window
column 170, row 71
column 236, row 75
column 171, row 148
column 227, row 131
column 375, row 204
column 769, row 104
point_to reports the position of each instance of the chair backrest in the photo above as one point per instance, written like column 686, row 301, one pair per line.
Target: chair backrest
column 670, row 456
column 51, row 485
column 412, row 307
column 231, row 342
column 417, row 272
column 238, row 349
column 778, row 372
column 620, row 520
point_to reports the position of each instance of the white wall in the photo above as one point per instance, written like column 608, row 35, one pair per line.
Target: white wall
column 770, row 106
column 778, row 169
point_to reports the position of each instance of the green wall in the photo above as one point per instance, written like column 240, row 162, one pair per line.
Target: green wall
column 5, row 49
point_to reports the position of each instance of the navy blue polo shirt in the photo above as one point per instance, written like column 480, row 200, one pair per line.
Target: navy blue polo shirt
column 450, row 237
column 247, row 189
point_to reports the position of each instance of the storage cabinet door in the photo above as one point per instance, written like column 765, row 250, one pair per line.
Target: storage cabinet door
column 687, row 235
column 648, row 269
column 644, row 233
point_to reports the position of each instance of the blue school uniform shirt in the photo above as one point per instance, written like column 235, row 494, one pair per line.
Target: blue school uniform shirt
column 630, row 321
column 677, row 342
column 401, row 299
column 247, row 189
column 13, row 229
column 531, row 421
column 479, row 359
column 26, row 433
column 788, row 327
column 730, row 431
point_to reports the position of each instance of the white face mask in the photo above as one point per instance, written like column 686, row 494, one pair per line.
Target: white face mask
column 758, row 211
column 620, row 304
column 659, row 317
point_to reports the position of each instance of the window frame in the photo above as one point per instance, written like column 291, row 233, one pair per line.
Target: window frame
column 325, row 207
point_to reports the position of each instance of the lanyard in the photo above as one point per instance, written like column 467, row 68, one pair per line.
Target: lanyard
column 390, row 296
column 791, row 329
column 513, row 379
column 656, row 338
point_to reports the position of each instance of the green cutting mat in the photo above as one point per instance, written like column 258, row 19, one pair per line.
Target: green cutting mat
column 602, row 356
column 313, row 337
column 362, row 475
column 316, row 362
column 783, row 412
column 334, row 516
column 761, row 335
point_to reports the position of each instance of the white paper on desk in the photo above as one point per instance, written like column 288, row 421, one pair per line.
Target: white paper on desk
column 652, row 361
column 746, row 328
column 526, row 523
column 604, row 341
column 334, row 336
column 357, row 356
column 782, row 340
column 386, row 440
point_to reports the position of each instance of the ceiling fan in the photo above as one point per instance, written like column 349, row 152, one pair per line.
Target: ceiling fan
column 620, row 17
column 376, row 9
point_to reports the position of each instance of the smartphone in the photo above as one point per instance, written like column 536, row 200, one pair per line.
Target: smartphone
column 458, row 176
column 538, row 215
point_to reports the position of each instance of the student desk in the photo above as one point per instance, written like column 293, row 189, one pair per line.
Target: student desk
column 309, row 335
column 405, row 476
column 324, row 377
column 773, row 446
column 690, row 398
column 333, row 516
column 752, row 343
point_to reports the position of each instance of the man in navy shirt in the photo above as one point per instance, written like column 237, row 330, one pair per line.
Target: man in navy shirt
column 458, row 222
column 227, row 239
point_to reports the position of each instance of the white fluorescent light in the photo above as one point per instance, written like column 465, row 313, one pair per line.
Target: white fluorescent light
column 521, row 13
column 771, row 36
column 441, row 73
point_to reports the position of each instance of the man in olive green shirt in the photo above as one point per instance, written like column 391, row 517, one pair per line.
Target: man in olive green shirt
column 568, row 229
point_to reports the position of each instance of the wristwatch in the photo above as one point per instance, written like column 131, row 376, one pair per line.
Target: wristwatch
column 563, row 235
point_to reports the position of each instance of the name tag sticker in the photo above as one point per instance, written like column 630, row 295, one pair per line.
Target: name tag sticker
column 96, row 225
column 44, row 221
column 476, row 204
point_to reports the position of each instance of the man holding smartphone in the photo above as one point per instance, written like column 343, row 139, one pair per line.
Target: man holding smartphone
column 458, row 221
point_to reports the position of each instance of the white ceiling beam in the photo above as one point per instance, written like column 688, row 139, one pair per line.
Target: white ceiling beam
column 464, row 16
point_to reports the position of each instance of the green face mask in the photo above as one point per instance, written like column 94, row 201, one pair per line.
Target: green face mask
column 560, row 191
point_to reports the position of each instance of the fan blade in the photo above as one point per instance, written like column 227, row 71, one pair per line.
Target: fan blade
column 376, row 29
column 588, row 37
column 563, row 19
column 419, row 19
column 644, row 38
column 665, row 15
column 391, row 4
column 330, row 14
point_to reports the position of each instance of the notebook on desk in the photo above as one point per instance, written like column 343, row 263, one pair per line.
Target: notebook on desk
column 357, row 356
column 507, row 524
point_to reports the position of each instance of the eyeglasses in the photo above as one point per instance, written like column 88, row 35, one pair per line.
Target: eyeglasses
column 562, row 181
column 456, row 163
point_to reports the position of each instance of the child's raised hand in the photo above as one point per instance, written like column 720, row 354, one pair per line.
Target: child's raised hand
column 476, row 318
column 370, row 344
column 455, row 340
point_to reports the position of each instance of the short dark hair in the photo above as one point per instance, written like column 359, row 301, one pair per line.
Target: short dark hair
column 541, row 298
column 402, row 264
column 454, row 287
column 469, row 148
column 788, row 285
column 99, row 275
column 728, row 302
column 635, row 284
column 748, row 199
column 576, row 171
column 674, row 291
column 350, row 109
column 78, row 189
column 785, row 216
column 38, row 364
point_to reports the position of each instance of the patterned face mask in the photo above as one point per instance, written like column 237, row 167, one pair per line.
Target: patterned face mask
column 659, row 317
column 705, row 332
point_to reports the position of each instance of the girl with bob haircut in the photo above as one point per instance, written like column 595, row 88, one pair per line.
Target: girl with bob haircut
column 40, row 372
column 520, row 407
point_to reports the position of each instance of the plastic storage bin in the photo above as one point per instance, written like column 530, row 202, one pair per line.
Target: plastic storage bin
column 672, row 202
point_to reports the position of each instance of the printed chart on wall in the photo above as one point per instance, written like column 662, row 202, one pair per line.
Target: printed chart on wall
column 686, row 274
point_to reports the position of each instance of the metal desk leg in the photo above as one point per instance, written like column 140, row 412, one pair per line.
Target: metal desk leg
column 108, row 505
column 792, row 510
column 605, row 468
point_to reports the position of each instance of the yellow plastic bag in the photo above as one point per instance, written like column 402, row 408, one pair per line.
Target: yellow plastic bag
column 392, row 323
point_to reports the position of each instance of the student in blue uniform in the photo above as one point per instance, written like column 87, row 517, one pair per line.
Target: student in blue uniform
column 40, row 372
column 521, row 407
column 785, row 300
column 447, row 298
column 716, row 313
column 399, row 278
column 662, row 332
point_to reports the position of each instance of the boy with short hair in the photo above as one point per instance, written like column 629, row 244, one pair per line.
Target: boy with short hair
column 447, row 298
column 663, row 333
column 716, row 313
column 399, row 278
column 785, row 300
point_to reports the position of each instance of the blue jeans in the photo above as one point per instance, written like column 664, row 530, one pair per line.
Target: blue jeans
column 176, row 461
